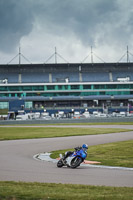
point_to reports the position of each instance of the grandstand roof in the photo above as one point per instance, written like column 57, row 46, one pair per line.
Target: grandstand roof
column 71, row 67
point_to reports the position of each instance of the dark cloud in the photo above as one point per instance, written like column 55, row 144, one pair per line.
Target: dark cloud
column 90, row 21
column 15, row 21
column 80, row 17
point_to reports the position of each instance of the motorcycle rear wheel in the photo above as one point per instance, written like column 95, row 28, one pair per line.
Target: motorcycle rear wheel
column 76, row 162
column 60, row 163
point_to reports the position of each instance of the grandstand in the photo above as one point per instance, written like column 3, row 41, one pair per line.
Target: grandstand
column 67, row 85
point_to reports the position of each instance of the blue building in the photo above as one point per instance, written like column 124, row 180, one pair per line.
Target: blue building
column 67, row 86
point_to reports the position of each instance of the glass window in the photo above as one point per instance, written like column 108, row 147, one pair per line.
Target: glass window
column 28, row 104
column 65, row 87
column 13, row 88
column 123, row 86
column 111, row 86
column 3, row 88
column 99, row 86
column 4, row 95
column 4, row 105
column 85, row 87
column 50, row 87
column 27, row 88
column 102, row 93
column 131, row 86
column 38, row 87
column 60, row 87
column 74, row 87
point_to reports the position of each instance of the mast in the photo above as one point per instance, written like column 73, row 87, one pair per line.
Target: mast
column 55, row 56
column 91, row 55
column 19, row 55
column 127, row 55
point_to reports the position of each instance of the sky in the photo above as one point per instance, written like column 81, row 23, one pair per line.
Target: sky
column 49, row 31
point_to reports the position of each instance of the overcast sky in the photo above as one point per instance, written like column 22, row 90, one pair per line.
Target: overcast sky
column 72, row 26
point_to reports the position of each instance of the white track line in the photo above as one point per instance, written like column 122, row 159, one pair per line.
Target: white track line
column 46, row 157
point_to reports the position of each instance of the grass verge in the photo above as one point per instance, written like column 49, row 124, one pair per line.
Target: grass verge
column 52, row 191
column 7, row 133
column 112, row 154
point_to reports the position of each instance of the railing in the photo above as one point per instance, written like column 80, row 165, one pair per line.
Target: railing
column 76, row 107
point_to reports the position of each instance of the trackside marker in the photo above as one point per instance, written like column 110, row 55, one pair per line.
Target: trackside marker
column 91, row 162
column 86, row 161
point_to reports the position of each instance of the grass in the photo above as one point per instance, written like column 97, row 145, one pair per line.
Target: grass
column 52, row 191
column 112, row 154
column 116, row 154
column 7, row 133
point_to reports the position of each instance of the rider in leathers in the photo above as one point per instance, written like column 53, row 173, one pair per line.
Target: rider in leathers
column 68, row 153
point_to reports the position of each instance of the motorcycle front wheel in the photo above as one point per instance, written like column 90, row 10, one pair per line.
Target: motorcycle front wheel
column 76, row 162
column 60, row 163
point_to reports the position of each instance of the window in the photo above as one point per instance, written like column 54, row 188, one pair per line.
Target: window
column 27, row 88
column 13, row 88
column 65, row 87
column 3, row 88
column 28, row 104
column 85, row 87
column 4, row 105
column 123, row 86
column 111, row 86
column 74, row 87
column 99, row 86
column 60, row 87
column 50, row 87
column 102, row 93
column 37, row 87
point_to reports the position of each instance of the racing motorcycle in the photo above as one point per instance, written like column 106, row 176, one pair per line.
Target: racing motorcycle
column 74, row 159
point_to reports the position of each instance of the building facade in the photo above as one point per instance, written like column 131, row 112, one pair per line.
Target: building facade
column 67, row 85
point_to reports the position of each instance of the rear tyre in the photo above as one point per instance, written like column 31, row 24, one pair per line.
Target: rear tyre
column 60, row 163
column 76, row 162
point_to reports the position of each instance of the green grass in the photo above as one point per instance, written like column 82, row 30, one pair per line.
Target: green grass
column 115, row 154
column 7, row 133
column 52, row 191
column 112, row 154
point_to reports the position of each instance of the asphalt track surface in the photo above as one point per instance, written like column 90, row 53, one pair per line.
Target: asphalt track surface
column 17, row 163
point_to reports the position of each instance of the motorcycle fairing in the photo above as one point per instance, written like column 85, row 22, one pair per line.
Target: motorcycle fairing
column 69, row 159
column 80, row 154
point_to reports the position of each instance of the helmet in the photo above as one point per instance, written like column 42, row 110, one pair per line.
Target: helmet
column 85, row 146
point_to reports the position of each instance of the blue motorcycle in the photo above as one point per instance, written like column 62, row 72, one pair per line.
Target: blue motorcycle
column 73, row 159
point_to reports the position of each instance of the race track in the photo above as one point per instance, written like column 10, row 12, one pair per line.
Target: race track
column 17, row 163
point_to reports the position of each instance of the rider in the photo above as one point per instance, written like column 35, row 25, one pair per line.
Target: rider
column 68, row 153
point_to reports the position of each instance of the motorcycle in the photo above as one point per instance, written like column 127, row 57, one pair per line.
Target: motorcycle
column 73, row 160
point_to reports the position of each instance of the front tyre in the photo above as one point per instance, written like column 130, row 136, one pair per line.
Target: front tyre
column 76, row 162
column 60, row 163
